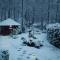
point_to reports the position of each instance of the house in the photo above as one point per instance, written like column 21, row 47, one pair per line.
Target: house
column 8, row 26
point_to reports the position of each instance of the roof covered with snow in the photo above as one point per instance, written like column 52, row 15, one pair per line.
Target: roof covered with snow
column 53, row 26
column 8, row 22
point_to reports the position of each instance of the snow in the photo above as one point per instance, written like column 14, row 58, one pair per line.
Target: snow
column 36, row 24
column 19, row 52
column 8, row 22
column 55, row 25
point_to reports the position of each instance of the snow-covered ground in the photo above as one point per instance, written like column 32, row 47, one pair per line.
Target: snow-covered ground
column 19, row 52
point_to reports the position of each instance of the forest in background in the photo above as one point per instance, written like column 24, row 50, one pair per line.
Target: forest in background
column 41, row 11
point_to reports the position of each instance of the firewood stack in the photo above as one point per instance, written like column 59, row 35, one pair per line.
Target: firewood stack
column 53, row 34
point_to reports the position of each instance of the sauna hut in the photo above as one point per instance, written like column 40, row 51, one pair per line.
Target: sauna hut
column 7, row 26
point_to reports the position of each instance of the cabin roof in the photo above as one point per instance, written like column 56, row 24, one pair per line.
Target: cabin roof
column 8, row 22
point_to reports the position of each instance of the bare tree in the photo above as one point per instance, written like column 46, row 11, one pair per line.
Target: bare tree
column 22, row 22
column 48, row 10
column 57, row 11
column 27, row 18
column 33, row 18
column 1, row 13
column 42, row 20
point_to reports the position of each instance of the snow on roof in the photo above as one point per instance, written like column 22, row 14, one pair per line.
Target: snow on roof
column 55, row 26
column 8, row 22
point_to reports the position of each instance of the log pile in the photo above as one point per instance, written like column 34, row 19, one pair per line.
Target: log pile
column 53, row 34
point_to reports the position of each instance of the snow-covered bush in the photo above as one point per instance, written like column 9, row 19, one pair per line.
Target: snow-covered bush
column 53, row 34
column 4, row 55
column 14, row 33
column 31, row 43
column 38, row 44
column 31, row 34
column 24, row 41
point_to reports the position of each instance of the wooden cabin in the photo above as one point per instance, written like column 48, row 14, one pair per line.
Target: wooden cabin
column 7, row 26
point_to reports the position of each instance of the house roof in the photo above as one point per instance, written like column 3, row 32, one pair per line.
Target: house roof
column 8, row 22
